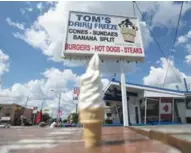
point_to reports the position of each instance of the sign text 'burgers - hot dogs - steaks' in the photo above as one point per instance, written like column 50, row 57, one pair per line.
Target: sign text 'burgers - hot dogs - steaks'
column 107, row 35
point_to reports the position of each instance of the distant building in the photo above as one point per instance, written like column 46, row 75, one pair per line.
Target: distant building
column 14, row 111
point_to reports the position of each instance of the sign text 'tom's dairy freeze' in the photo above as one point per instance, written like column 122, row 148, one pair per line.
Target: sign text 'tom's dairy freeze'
column 93, row 22
column 106, row 34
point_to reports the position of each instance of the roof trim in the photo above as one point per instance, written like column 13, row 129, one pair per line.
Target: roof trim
column 151, row 87
column 108, row 85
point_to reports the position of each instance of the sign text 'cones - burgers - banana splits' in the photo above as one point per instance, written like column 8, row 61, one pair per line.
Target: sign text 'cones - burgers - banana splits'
column 108, row 35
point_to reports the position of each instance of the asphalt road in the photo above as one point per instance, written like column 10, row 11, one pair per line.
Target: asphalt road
column 70, row 140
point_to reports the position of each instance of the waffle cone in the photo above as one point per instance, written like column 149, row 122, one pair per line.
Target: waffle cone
column 92, row 120
column 93, row 115
column 92, row 134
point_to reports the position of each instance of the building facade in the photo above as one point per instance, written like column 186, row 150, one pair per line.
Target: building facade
column 147, row 104
column 14, row 111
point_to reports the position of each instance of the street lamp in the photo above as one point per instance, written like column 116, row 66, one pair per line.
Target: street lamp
column 58, row 112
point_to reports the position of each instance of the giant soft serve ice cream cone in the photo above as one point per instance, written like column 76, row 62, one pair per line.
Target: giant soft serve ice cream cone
column 91, row 104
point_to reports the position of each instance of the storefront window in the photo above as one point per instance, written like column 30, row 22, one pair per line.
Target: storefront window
column 188, row 103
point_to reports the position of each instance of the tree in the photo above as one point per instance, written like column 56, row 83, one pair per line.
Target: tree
column 46, row 117
column 65, row 121
column 74, row 118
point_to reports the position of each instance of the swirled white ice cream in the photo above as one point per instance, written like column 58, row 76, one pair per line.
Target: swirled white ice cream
column 91, row 95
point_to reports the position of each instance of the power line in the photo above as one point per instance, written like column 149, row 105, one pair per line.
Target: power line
column 173, row 42
column 156, row 41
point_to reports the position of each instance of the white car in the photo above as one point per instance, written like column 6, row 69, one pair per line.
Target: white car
column 4, row 125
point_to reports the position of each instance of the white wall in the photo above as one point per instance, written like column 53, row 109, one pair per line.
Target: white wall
column 148, row 93
column 132, row 103
column 181, row 110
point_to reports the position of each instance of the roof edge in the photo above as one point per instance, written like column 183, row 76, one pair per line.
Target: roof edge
column 151, row 87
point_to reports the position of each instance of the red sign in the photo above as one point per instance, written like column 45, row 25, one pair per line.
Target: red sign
column 60, row 112
column 165, row 108
column 76, row 93
column 39, row 117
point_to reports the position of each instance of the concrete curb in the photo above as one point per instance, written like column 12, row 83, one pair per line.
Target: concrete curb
column 169, row 139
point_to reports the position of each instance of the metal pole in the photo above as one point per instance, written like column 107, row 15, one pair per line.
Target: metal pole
column 159, row 110
column 145, row 121
column 124, row 96
column 76, row 108
column 34, row 116
column 26, row 104
column 42, row 105
column 22, row 116
column 52, row 113
column 58, row 113
column 139, row 112
column 172, row 109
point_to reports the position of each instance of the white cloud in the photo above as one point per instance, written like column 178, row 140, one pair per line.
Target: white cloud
column 15, row 24
column 46, row 89
column 49, row 27
column 166, row 13
column 48, row 31
column 146, row 36
column 188, row 57
column 38, row 90
column 189, row 34
column 4, row 63
column 157, row 74
column 184, row 39
column 40, row 6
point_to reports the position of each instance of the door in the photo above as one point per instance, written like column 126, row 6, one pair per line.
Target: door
column 136, row 114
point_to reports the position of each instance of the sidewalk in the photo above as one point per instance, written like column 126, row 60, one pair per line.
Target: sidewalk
column 70, row 140
column 178, row 136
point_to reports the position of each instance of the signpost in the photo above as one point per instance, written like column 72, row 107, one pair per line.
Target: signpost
column 35, row 109
column 111, row 36
column 76, row 95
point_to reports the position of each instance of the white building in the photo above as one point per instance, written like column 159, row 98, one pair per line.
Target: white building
column 147, row 105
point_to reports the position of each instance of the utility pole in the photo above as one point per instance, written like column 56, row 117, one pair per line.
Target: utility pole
column 26, row 102
column 76, row 108
column 58, row 113
column 42, row 105
column 52, row 113
column 22, row 116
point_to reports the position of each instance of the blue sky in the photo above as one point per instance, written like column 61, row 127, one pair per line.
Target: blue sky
column 25, row 27
column 26, row 62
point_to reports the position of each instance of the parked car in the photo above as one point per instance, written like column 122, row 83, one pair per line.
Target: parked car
column 4, row 125
column 27, row 122
column 5, row 122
